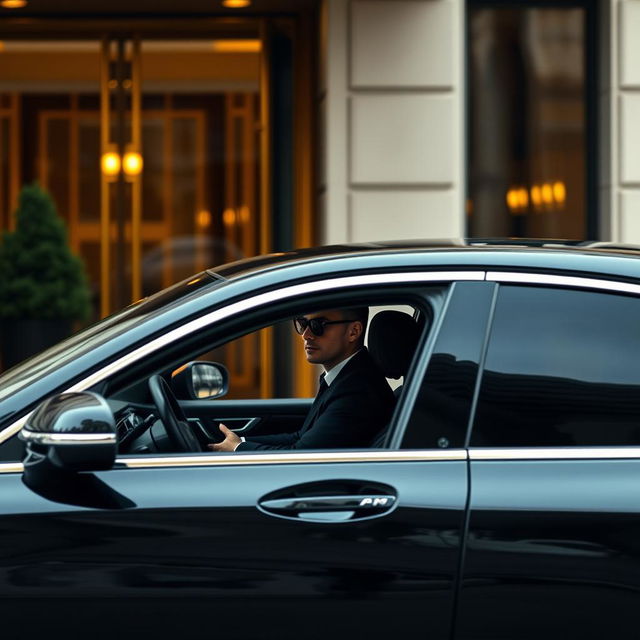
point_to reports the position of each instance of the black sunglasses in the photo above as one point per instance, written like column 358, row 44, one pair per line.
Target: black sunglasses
column 316, row 325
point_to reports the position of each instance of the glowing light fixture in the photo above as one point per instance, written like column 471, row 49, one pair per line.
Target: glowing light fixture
column 559, row 192
column 110, row 163
column 547, row 193
column 536, row 196
column 236, row 46
column 203, row 218
column 512, row 199
column 13, row 4
column 236, row 4
column 523, row 198
column 132, row 163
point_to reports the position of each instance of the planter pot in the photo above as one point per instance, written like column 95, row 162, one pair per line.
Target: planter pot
column 22, row 338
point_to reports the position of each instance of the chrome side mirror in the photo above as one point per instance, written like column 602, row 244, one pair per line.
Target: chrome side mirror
column 71, row 432
column 200, row 380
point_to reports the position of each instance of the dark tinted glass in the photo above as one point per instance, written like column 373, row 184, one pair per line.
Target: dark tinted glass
column 529, row 113
column 562, row 369
column 441, row 413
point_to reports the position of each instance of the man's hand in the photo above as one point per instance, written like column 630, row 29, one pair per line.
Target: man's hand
column 230, row 442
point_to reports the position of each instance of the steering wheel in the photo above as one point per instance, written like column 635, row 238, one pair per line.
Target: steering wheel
column 172, row 416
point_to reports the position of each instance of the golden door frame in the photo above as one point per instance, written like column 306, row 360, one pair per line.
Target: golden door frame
column 304, row 164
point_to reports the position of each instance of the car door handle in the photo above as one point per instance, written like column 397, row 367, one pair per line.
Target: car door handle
column 329, row 508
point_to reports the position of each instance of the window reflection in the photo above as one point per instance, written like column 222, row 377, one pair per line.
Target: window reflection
column 560, row 370
column 527, row 122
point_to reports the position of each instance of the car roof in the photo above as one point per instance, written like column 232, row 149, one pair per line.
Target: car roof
column 604, row 258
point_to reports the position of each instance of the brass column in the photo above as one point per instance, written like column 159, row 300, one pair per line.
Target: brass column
column 121, row 163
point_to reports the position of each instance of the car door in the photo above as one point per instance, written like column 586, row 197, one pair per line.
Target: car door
column 552, row 546
column 260, row 545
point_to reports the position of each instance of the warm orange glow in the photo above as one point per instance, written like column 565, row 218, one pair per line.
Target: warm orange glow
column 110, row 163
column 203, row 219
column 547, row 193
column 559, row 192
column 236, row 4
column 536, row 196
column 512, row 199
column 236, row 46
column 523, row 198
column 132, row 163
column 229, row 217
column 13, row 4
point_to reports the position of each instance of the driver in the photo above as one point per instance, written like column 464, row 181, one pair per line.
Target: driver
column 354, row 401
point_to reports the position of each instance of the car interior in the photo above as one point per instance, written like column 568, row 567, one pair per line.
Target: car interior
column 174, row 401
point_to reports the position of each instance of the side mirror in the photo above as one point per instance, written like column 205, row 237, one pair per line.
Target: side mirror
column 71, row 432
column 200, row 380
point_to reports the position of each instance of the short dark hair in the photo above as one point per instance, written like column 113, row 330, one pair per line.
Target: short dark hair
column 357, row 313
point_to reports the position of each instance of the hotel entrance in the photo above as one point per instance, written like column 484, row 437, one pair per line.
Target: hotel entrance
column 161, row 151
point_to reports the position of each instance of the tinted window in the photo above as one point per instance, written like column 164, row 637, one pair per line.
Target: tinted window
column 562, row 368
column 92, row 337
column 441, row 413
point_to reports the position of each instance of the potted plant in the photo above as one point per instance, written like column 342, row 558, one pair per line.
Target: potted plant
column 43, row 285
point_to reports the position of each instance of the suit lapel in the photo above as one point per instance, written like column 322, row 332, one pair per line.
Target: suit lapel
column 321, row 400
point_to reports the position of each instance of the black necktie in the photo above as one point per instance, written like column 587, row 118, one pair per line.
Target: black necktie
column 322, row 387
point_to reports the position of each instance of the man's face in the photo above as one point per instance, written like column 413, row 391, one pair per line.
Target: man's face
column 337, row 342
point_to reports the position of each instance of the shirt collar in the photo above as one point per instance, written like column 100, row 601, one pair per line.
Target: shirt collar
column 330, row 376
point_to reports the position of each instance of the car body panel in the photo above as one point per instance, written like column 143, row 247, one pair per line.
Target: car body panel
column 201, row 546
column 552, row 540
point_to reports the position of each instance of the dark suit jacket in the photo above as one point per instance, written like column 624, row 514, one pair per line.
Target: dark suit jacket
column 349, row 414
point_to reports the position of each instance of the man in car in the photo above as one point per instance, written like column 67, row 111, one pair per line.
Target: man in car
column 354, row 401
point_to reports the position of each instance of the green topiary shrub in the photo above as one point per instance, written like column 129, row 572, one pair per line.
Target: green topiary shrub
column 39, row 275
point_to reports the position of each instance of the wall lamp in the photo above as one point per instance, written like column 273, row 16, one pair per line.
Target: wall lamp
column 111, row 163
column 13, row 4
column 236, row 4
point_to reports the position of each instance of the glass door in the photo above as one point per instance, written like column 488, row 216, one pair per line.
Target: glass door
column 151, row 151
column 166, row 155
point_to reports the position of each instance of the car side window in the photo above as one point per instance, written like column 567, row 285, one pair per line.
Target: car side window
column 441, row 412
column 561, row 369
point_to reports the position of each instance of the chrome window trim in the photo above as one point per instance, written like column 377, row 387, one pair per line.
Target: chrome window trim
column 38, row 437
column 244, row 459
column 291, row 457
column 562, row 281
column 242, row 306
column 11, row 467
column 554, row 453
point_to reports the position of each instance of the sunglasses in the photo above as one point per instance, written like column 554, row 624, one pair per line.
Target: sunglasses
column 316, row 325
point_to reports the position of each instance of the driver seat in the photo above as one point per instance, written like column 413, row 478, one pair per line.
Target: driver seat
column 392, row 342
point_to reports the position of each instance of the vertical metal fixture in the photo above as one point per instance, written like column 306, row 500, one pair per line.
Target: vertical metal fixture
column 121, row 163
column 105, row 178
column 135, row 176
column 120, row 185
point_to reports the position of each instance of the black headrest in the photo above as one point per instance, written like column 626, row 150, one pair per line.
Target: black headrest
column 393, row 338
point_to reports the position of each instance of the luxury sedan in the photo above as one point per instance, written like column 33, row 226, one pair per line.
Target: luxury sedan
column 501, row 499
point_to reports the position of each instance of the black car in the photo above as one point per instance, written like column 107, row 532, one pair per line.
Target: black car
column 501, row 501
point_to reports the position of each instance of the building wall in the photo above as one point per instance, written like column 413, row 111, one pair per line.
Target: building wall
column 392, row 124
column 620, row 108
column 391, row 114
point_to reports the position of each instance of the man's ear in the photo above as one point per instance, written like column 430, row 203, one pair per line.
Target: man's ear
column 355, row 331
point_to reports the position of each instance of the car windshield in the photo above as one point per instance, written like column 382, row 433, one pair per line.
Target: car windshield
column 80, row 343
